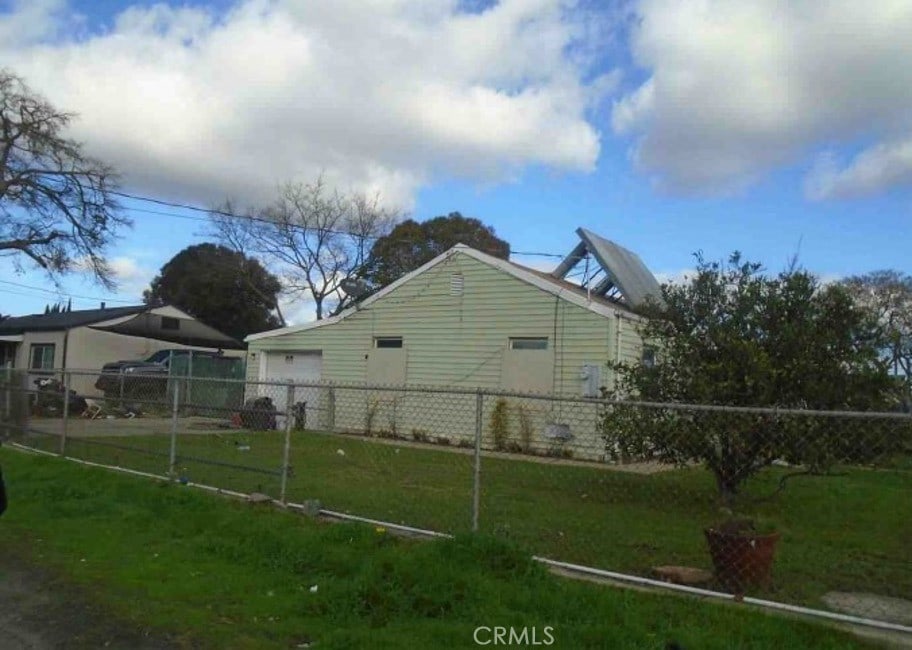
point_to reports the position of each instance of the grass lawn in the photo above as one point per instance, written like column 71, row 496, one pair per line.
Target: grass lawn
column 215, row 573
column 842, row 533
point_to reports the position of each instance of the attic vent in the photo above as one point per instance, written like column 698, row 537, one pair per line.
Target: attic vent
column 457, row 284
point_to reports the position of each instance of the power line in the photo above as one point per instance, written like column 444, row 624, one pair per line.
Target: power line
column 16, row 293
column 204, row 219
column 170, row 214
column 232, row 215
column 537, row 254
column 65, row 294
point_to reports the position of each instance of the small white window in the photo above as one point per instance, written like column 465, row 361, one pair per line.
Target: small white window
column 388, row 342
column 457, row 284
column 528, row 343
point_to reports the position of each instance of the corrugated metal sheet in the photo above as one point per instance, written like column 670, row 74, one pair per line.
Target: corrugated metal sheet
column 630, row 275
column 624, row 270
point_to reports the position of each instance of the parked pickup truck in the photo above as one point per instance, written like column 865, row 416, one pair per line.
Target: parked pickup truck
column 142, row 379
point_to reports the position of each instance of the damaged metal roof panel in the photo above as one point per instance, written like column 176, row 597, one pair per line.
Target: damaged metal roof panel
column 624, row 270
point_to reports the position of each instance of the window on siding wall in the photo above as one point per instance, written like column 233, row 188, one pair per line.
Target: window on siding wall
column 41, row 356
column 170, row 323
column 528, row 343
column 648, row 358
column 388, row 342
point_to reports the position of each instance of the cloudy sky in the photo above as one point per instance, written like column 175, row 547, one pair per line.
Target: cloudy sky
column 670, row 126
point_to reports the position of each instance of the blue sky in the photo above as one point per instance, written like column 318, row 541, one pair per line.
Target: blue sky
column 667, row 127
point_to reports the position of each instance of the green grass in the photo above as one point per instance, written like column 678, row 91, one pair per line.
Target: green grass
column 841, row 533
column 224, row 574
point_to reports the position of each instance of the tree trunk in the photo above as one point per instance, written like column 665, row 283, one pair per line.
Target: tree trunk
column 727, row 486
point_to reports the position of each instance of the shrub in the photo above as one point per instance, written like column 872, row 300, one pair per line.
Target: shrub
column 500, row 424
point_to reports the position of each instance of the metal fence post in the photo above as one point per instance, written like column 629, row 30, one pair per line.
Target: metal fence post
column 289, row 408
column 187, row 398
column 331, row 409
column 172, row 467
column 66, row 411
column 476, row 486
column 8, row 400
column 121, row 387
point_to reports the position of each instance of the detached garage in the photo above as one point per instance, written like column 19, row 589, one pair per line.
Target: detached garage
column 466, row 320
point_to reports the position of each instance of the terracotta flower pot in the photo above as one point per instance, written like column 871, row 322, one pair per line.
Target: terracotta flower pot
column 742, row 558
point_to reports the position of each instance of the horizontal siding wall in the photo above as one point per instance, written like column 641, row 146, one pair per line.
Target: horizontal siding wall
column 631, row 342
column 458, row 341
column 253, row 365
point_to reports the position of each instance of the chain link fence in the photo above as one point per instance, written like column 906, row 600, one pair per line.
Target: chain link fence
column 802, row 507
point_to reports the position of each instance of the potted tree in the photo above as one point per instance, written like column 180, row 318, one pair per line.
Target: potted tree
column 742, row 551
column 734, row 347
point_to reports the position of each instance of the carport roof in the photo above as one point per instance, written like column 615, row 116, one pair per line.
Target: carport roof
column 65, row 320
column 133, row 320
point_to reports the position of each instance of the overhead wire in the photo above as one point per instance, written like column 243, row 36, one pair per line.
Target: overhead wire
column 61, row 294
column 234, row 215
column 208, row 212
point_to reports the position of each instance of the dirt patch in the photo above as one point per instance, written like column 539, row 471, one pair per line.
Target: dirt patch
column 41, row 611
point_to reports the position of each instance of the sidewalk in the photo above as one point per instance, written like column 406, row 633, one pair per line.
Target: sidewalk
column 39, row 612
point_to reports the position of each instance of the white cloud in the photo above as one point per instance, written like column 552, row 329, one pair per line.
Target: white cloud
column 296, row 309
column 875, row 169
column 830, row 278
column 736, row 89
column 682, row 276
column 536, row 262
column 30, row 21
column 383, row 95
column 132, row 277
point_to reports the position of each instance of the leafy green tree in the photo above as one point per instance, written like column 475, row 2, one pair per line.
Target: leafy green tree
column 411, row 244
column 733, row 336
column 57, row 204
column 223, row 288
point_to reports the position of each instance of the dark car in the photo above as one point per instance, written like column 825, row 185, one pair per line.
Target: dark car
column 143, row 379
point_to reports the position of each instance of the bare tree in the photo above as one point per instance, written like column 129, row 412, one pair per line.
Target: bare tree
column 56, row 203
column 888, row 295
column 311, row 237
column 237, row 234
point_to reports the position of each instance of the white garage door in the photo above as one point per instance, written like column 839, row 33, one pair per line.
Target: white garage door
column 298, row 367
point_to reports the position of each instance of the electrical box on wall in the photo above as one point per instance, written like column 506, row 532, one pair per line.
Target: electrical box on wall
column 591, row 376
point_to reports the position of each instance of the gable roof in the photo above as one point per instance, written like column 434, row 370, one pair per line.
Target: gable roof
column 568, row 291
column 65, row 320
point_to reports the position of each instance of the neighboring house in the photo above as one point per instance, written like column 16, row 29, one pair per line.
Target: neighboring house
column 87, row 339
column 467, row 320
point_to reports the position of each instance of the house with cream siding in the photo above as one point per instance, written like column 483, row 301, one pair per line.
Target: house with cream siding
column 465, row 320
column 86, row 339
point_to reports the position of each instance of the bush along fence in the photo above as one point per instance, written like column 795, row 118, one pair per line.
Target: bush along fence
column 807, row 508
